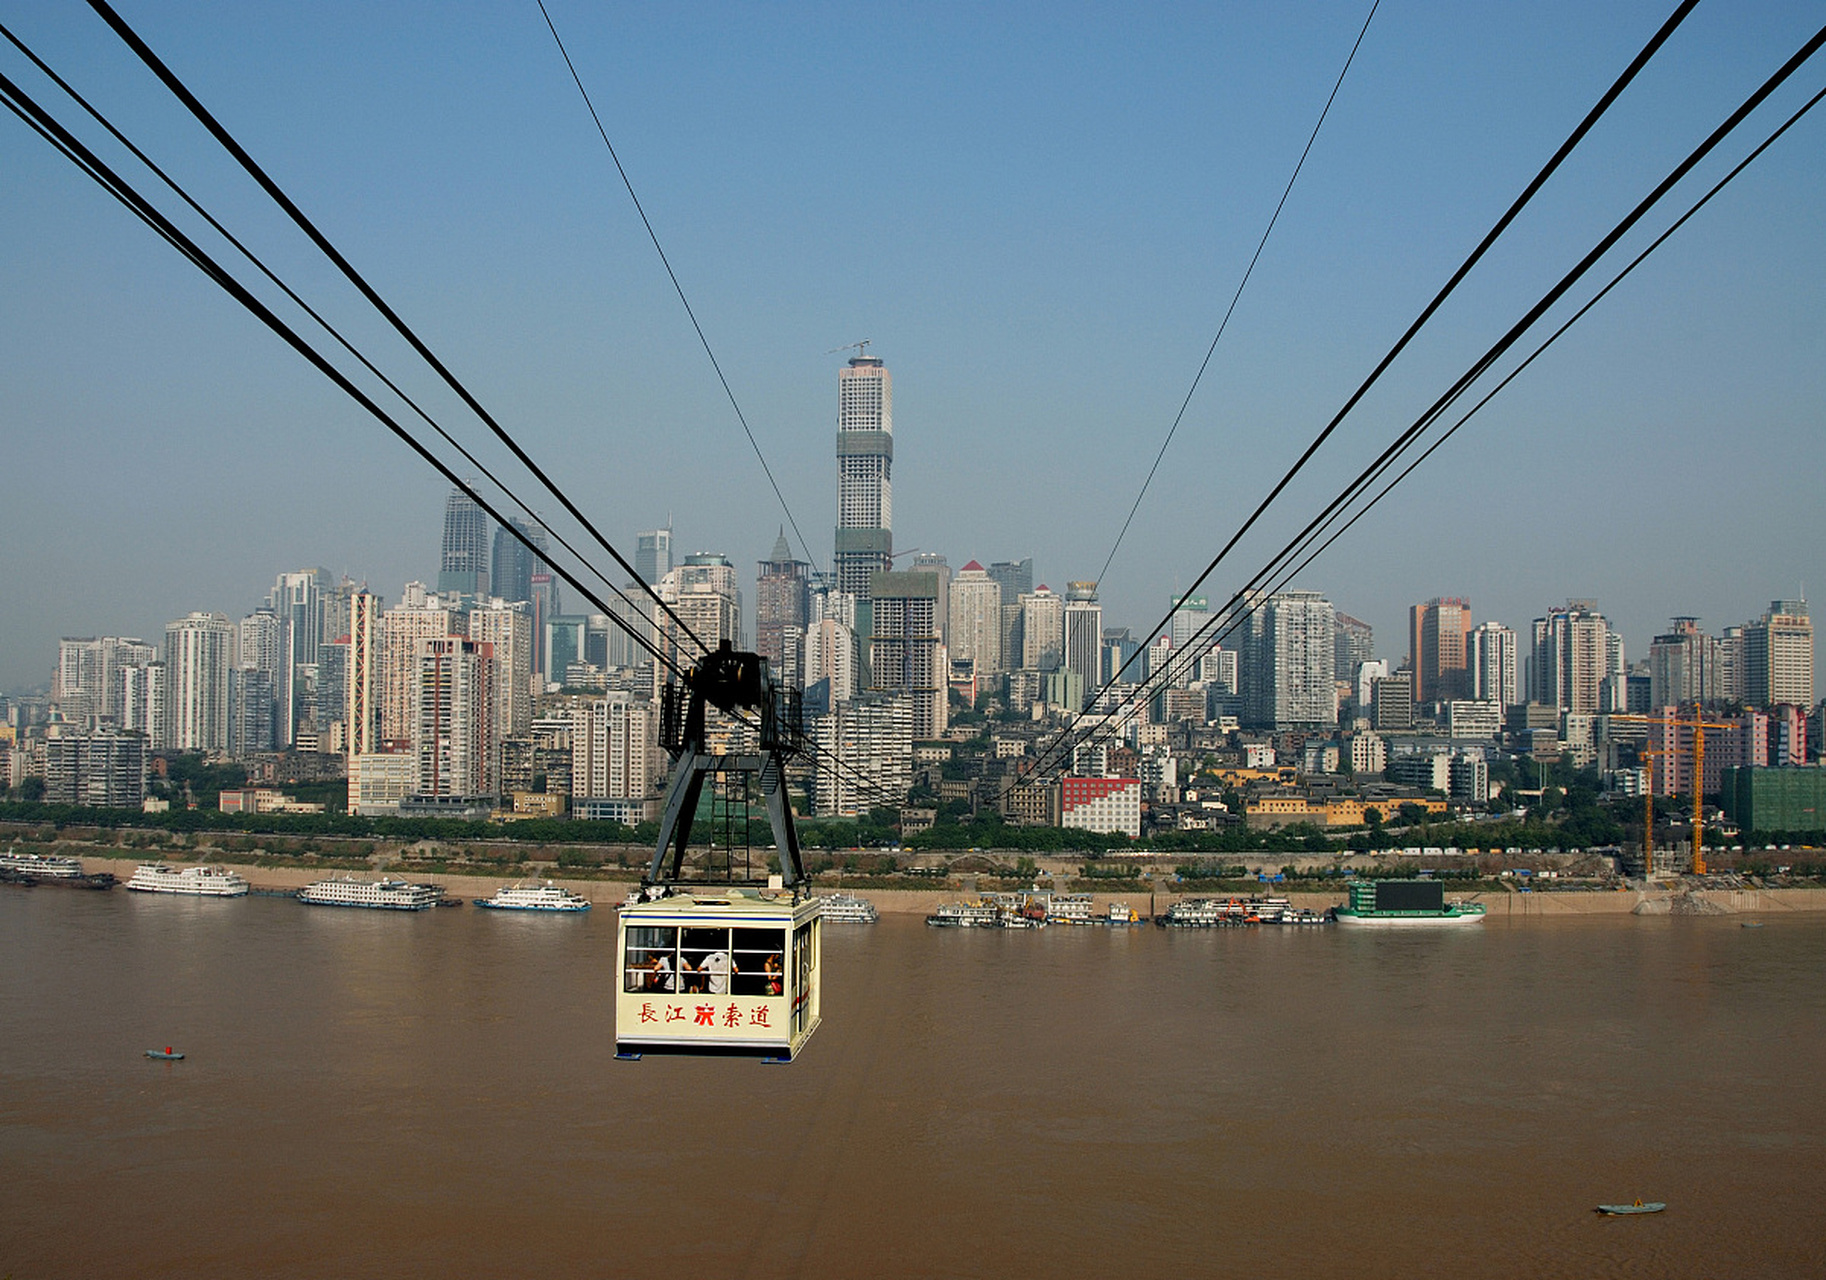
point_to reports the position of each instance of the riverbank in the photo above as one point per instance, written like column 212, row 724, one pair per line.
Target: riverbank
column 1506, row 906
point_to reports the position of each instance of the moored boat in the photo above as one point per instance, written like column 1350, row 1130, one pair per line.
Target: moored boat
column 1405, row 903
column 40, row 866
column 382, row 895
column 845, row 908
column 543, row 897
column 964, row 915
column 193, row 882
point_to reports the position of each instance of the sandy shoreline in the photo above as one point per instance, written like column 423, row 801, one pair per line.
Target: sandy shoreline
column 922, row 901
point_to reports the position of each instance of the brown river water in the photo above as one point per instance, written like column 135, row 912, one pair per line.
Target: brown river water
column 372, row 1094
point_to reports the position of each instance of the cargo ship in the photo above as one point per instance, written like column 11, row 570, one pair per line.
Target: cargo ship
column 1402, row 903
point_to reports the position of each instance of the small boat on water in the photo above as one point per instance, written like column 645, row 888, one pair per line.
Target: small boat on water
column 167, row 1054
column 1618, row 1210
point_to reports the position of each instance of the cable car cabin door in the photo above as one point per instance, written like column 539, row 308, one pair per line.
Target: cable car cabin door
column 736, row 974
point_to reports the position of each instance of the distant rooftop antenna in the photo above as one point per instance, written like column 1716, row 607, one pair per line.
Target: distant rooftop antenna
column 860, row 348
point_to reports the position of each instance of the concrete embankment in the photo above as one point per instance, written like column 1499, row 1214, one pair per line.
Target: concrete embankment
column 1498, row 906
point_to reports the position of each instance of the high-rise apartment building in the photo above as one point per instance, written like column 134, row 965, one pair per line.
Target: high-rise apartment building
column 98, row 770
column 702, row 593
column 864, row 756
column 1492, row 660
column 865, row 464
column 1778, row 656
column 143, row 703
column 1731, row 665
column 782, row 611
column 830, row 655
column 1682, row 666
column 612, row 741
column 402, row 630
column 87, row 685
column 1437, row 649
column 199, row 650
column 1570, row 658
column 1042, row 629
column 463, row 565
column 906, row 654
column 976, row 619
column 250, row 711
column 453, row 715
column 1286, row 668
column 507, row 628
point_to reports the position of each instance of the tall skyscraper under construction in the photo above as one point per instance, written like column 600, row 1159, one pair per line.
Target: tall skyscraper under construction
column 865, row 463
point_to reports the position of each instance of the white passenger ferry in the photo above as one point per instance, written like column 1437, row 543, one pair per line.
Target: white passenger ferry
column 846, row 908
column 41, row 866
column 535, row 897
column 1069, row 908
column 383, row 895
column 194, row 882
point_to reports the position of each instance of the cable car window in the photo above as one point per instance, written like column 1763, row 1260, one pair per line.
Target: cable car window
column 802, row 975
column 652, row 959
column 759, row 959
column 704, row 961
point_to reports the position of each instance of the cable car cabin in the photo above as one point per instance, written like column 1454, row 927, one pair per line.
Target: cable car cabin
column 733, row 973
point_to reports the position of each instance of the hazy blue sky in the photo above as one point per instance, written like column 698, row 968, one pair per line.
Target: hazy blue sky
column 1037, row 214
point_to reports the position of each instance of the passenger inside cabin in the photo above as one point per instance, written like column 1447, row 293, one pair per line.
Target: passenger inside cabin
column 716, row 968
column 771, row 971
column 659, row 973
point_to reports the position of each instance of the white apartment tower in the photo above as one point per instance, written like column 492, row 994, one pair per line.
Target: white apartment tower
column 865, row 464
column 611, row 749
column 1042, row 629
column 1493, row 665
column 976, row 619
column 1778, row 656
column 198, row 653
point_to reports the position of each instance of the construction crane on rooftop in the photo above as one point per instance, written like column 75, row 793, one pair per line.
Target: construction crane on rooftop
column 860, row 348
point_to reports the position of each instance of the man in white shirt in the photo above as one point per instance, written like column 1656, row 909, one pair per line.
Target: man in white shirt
column 717, row 966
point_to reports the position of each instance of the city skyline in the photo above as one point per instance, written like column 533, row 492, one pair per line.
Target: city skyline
column 1042, row 328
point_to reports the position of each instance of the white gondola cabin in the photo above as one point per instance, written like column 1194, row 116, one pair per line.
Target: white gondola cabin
column 733, row 973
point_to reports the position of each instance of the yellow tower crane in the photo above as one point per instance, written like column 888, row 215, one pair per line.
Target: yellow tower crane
column 1699, row 726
